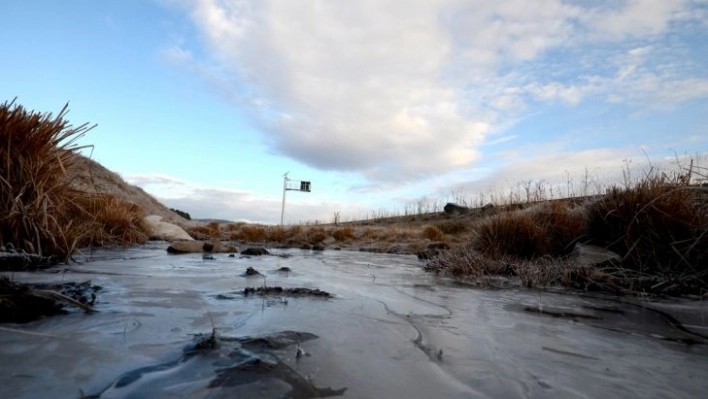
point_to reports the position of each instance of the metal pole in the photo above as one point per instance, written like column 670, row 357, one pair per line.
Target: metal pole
column 285, row 190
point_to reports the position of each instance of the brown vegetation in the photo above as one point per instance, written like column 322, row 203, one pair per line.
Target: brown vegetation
column 40, row 210
column 657, row 227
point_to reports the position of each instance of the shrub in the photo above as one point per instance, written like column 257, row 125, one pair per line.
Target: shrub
column 181, row 213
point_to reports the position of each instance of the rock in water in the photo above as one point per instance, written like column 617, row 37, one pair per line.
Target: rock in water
column 185, row 247
column 255, row 251
column 159, row 230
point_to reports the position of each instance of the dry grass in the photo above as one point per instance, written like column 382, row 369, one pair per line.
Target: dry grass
column 658, row 227
column 461, row 260
column 40, row 212
column 548, row 229
column 344, row 233
column 432, row 233
column 108, row 220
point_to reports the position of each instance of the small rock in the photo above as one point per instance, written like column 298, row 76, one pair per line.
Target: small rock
column 255, row 251
column 454, row 208
column 252, row 272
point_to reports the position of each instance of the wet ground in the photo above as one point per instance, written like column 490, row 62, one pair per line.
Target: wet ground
column 180, row 326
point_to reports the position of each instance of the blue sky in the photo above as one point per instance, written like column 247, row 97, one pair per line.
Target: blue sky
column 207, row 103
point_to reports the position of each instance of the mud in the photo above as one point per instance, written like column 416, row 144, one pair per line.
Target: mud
column 278, row 291
column 23, row 303
column 241, row 361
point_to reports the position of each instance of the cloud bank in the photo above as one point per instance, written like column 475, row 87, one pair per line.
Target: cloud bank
column 404, row 90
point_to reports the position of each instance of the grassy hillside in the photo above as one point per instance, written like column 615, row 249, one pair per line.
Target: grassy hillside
column 90, row 176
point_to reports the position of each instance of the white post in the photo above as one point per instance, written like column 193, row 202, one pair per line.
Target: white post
column 285, row 190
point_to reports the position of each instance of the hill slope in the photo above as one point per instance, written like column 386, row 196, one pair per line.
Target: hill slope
column 89, row 175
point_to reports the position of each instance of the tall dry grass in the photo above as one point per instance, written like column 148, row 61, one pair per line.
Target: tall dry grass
column 660, row 225
column 39, row 211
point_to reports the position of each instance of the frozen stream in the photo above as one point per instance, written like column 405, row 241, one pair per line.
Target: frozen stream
column 391, row 331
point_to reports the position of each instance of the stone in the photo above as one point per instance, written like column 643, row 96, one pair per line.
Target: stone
column 455, row 209
column 159, row 230
column 255, row 251
column 251, row 272
column 186, row 247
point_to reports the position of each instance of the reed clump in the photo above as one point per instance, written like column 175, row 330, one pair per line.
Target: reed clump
column 40, row 212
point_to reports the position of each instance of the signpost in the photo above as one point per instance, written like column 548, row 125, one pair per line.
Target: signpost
column 292, row 185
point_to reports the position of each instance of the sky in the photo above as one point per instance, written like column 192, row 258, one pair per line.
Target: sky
column 384, row 105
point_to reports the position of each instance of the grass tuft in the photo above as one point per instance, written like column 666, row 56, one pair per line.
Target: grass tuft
column 657, row 226
column 39, row 211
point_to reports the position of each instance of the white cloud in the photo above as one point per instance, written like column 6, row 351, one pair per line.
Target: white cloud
column 634, row 17
column 398, row 90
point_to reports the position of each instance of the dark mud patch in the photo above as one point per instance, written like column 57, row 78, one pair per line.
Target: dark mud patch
column 293, row 292
column 560, row 313
column 22, row 303
column 233, row 362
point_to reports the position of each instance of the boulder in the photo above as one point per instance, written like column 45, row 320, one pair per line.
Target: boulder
column 185, row 247
column 454, row 208
column 159, row 230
